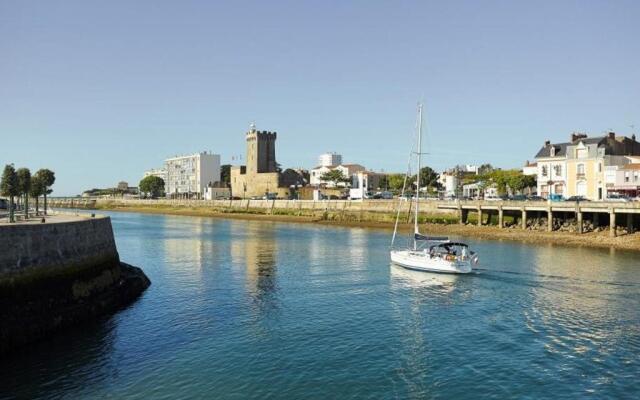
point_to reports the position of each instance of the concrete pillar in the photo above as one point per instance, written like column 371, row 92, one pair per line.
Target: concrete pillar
column 549, row 220
column 524, row 219
column 500, row 218
column 464, row 215
column 630, row 223
column 579, row 218
column 479, row 216
column 612, row 223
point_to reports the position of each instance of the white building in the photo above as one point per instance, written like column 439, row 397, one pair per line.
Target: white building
column 449, row 182
column 363, row 182
column 329, row 159
column 530, row 168
column 348, row 170
column 191, row 174
column 160, row 173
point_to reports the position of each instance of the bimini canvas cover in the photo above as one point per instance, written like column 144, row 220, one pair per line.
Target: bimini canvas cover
column 418, row 236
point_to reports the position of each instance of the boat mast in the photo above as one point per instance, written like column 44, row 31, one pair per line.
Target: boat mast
column 418, row 174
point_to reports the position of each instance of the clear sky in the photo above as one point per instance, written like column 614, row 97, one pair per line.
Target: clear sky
column 100, row 91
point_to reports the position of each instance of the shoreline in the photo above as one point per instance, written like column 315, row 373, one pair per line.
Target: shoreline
column 591, row 240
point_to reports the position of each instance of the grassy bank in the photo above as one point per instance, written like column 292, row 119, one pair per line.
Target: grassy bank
column 434, row 223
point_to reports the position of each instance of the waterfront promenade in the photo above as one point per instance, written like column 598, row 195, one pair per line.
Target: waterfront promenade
column 609, row 215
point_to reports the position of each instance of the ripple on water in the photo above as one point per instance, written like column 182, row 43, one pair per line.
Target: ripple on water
column 242, row 309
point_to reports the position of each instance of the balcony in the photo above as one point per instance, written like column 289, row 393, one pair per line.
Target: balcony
column 581, row 175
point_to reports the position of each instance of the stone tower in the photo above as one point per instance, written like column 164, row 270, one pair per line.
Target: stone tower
column 261, row 151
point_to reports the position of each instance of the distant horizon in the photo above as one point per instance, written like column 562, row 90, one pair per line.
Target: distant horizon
column 100, row 93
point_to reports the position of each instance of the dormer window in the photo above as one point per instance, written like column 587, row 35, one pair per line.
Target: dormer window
column 553, row 151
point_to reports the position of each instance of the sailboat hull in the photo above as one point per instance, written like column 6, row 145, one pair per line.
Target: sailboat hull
column 422, row 261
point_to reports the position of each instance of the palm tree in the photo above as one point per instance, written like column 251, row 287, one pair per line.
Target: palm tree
column 37, row 190
column 9, row 187
column 24, row 187
column 47, row 177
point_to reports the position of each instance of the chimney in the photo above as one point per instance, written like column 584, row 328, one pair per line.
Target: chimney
column 612, row 135
column 547, row 143
column 576, row 136
column 633, row 137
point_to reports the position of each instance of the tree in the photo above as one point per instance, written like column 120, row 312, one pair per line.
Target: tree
column 395, row 181
column 485, row 169
column 428, row 178
column 24, row 187
column 225, row 175
column 48, row 178
column 335, row 175
column 37, row 190
column 9, row 186
column 152, row 185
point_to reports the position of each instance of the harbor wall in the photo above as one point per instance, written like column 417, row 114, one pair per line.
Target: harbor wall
column 57, row 274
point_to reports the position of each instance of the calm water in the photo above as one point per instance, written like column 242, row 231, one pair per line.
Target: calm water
column 243, row 309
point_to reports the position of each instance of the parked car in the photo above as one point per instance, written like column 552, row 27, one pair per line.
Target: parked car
column 492, row 198
column 536, row 198
column 617, row 198
column 556, row 197
column 577, row 198
column 518, row 197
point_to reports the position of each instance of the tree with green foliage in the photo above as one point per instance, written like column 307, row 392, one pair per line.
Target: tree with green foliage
column 395, row 181
column 428, row 179
column 335, row 175
column 24, row 187
column 9, row 186
column 152, row 186
column 37, row 190
column 225, row 175
column 485, row 169
column 48, row 178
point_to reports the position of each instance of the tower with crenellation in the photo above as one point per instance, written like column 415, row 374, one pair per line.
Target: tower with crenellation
column 261, row 151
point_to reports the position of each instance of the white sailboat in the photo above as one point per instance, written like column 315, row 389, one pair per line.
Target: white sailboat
column 430, row 253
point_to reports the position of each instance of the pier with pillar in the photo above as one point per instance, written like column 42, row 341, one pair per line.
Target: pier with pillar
column 618, row 215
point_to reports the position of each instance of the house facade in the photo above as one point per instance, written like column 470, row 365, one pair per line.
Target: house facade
column 348, row 171
column 363, row 182
column 577, row 167
column 624, row 179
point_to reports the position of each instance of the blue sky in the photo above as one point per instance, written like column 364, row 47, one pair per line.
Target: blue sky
column 100, row 91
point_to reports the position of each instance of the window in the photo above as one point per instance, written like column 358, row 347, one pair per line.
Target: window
column 544, row 170
column 558, row 170
column 599, row 167
column 580, row 169
column 626, row 177
column 635, row 176
column 581, row 153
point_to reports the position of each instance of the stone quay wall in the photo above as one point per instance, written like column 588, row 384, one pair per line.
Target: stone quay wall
column 33, row 248
column 58, row 274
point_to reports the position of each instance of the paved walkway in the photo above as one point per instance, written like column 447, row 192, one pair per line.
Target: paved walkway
column 50, row 219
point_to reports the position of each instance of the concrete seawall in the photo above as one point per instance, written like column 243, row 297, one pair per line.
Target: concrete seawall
column 343, row 210
column 60, row 273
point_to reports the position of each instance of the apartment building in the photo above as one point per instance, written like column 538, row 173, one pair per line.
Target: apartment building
column 191, row 174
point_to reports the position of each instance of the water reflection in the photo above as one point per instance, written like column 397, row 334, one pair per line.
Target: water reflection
column 257, row 251
column 419, row 279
